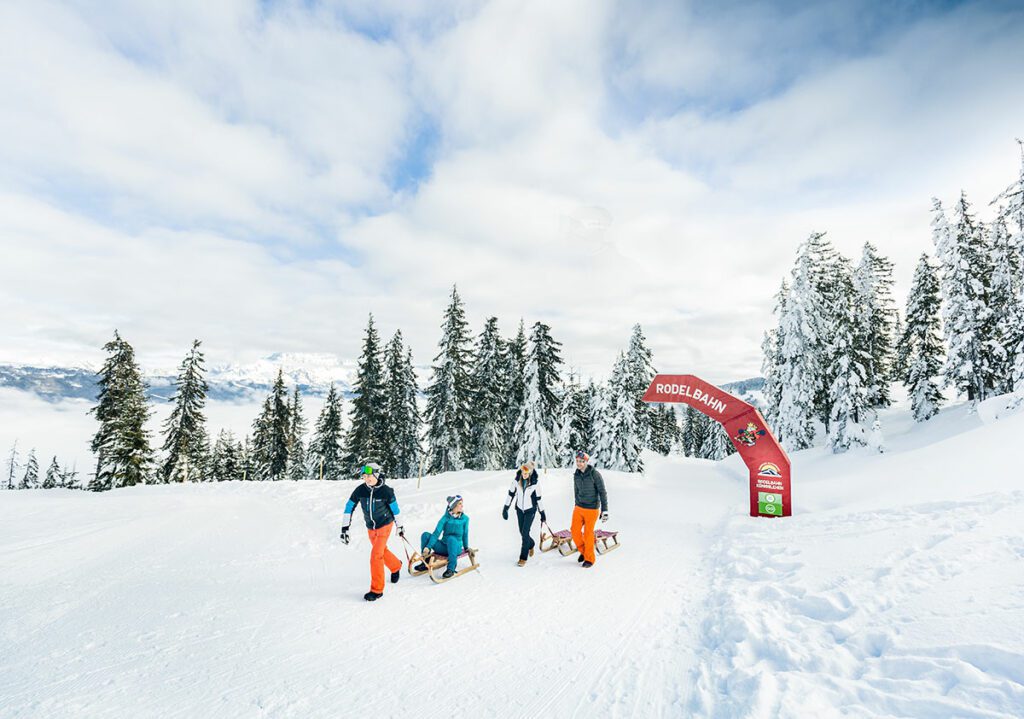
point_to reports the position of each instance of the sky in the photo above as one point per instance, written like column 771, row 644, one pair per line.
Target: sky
column 263, row 175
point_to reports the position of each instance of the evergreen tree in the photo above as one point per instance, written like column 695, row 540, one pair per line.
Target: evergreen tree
column 365, row 440
column 490, row 392
column 30, row 480
column 515, row 372
column 124, row 455
column 226, row 462
column 69, row 478
column 802, row 335
column 298, row 468
column 270, row 434
column 921, row 344
column 663, row 429
column 602, row 446
column 52, row 478
column 695, row 433
column 535, row 428
column 325, row 447
column 248, row 461
column 875, row 311
column 639, row 373
column 576, row 426
column 449, row 396
column 851, row 387
column 1005, row 330
column 620, row 443
column 402, row 448
column 771, row 365
column 827, row 271
column 186, row 443
column 12, row 465
column 959, row 248
column 717, row 445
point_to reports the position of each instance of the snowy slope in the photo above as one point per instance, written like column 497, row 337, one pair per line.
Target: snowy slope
column 896, row 590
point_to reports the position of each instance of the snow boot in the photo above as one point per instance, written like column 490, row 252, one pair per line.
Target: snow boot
column 531, row 551
column 588, row 565
column 395, row 575
column 448, row 574
column 521, row 562
column 580, row 558
column 372, row 596
column 421, row 567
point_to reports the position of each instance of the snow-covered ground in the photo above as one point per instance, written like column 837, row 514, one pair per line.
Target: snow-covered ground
column 897, row 589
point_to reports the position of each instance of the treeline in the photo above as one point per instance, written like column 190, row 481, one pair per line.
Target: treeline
column 841, row 343
column 492, row 402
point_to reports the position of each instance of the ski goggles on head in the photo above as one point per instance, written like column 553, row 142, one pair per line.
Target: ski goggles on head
column 581, row 455
column 370, row 469
column 454, row 501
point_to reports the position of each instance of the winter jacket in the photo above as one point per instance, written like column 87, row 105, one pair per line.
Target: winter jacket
column 588, row 486
column 525, row 493
column 380, row 508
column 451, row 526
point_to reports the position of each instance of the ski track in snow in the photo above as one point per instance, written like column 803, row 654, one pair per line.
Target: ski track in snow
column 897, row 592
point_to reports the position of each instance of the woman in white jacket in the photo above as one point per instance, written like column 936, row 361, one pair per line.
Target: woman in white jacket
column 525, row 492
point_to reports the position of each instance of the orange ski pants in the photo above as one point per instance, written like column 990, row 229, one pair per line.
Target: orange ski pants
column 381, row 555
column 583, row 523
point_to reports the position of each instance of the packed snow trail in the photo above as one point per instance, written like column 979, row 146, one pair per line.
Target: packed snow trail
column 238, row 600
column 895, row 590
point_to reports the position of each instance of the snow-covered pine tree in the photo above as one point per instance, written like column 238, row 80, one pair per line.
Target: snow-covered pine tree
column 695, row 432
column 802, row 332
column 449, row 397
column 270, row 434
column 826, row 271
column 876, row 313
column 248, row 462
column 515, row 371
column 623, row 446
column 602, row 413
column 639, row 373
column 717, row 445
column 124, row 455
column 576, row 424
column 771, row 365
column 959, row 248
column 490, row 406
column 298, row 466
column 851, row 389
column 325, row 455
column 186, row 443
column 69, row 478
column 921, row 343
column 30, row 480
column 365, row 440
column 536, row 427
column 12, row 466
column 1005, row 330
column 226, row 460
column 402, row 414
column 52, row 478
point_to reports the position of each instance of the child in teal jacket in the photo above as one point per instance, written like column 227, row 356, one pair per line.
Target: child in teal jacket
column 450, row 537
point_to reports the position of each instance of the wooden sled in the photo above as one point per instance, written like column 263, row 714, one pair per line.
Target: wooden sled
column 436, row 564
column 604, row 542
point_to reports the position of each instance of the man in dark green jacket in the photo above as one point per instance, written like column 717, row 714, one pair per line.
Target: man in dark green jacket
column 588, row 486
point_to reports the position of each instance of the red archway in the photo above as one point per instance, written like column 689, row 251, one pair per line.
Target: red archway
column 765, row 459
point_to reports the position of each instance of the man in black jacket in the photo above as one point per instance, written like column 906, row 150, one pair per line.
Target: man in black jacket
column 380, row 511
column 588, row 486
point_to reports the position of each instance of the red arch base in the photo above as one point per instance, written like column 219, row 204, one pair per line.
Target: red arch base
column 765, row 459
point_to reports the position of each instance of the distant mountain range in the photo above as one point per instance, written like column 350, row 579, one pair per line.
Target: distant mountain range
column 313, row 373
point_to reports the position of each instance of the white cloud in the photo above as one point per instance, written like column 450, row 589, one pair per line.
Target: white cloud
column 595, row 166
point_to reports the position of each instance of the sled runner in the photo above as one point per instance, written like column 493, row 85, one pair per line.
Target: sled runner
column 436, row 563
column 604, row 541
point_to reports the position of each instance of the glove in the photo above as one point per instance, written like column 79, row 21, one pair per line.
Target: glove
column 401, row 532
column 604, row 516
column 543, row 517
column 504, row 512
column 344, row 535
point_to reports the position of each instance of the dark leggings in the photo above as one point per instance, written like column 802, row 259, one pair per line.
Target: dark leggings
column 525, row 522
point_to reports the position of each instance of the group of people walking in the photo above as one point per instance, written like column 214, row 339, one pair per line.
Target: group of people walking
column 451, row 535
